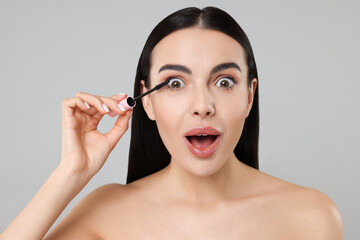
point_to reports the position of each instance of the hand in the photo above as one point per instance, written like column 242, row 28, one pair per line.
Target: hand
column 84, row 148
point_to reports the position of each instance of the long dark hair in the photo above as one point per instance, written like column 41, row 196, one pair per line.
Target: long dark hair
column 148, row 153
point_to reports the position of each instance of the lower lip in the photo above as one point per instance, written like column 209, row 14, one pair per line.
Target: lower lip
column 203, row 152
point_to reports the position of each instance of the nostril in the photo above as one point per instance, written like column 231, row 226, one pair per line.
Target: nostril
column 203, row 113
column 206, row 114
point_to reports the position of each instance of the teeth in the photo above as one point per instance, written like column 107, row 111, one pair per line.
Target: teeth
column 201, row 135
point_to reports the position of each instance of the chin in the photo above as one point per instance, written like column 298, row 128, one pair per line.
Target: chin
column 203, row 168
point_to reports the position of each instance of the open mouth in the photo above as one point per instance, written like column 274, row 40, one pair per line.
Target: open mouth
column 202, row 141
column 202, row 146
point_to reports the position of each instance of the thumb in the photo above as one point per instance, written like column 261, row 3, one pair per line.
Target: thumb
column 120, row 127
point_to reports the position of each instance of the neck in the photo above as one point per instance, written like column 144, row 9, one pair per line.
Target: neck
column 207, row 188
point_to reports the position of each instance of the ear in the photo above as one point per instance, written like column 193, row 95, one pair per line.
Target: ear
column 146, row 101
column 251, row 94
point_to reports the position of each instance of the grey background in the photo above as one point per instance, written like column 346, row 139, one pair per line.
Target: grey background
column 307, row 55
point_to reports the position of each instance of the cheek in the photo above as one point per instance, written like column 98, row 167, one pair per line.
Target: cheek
column 232, row 106
column 168, row 110
column 232, row 113
column 169, row 115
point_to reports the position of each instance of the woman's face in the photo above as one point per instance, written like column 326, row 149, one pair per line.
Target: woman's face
column 199, row 95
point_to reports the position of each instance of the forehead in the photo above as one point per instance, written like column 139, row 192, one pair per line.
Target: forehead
column 197, row 46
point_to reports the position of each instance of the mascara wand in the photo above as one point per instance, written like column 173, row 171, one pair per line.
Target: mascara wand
column 130, row 102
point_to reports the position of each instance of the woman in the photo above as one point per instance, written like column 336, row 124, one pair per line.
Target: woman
column 193, row 162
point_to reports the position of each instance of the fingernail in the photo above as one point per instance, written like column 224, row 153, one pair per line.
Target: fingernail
column 121, row 107
column 87, row 105
column 105, row 108
column 121, row 94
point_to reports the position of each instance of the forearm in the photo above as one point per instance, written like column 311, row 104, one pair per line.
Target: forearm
column 42, row 211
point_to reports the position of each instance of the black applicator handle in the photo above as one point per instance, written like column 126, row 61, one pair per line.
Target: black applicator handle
column 130, row 102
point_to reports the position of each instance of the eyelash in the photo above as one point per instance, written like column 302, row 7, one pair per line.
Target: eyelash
column 226, row 89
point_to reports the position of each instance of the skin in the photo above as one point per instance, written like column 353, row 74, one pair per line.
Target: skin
column 200, row 101
column 214, row 198
column 218, row 197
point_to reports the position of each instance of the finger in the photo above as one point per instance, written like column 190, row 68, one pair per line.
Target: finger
column 119, row 97
column 94, row 101
column 69, row 105
column 113, row 104
column 112, row 113
column 120, row 127
column 108, row 105
column 98, row 116
column 92, row 110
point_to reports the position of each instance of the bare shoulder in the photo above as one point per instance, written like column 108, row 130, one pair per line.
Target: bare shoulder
column 103, row 203
column 307, row 213
column 102, row 198
column 316, row 214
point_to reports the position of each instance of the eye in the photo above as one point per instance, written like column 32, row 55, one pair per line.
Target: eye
column 226, row 82
column 175, row 83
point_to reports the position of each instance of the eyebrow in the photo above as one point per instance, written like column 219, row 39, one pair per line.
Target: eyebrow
column 186, row 70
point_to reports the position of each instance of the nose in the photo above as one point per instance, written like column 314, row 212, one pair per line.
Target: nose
column 202, row 104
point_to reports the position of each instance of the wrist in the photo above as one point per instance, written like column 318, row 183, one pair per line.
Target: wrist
column 72, row 178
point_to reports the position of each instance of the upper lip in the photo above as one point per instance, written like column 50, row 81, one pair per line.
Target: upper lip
column 202, row 130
